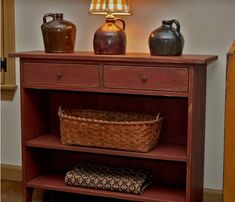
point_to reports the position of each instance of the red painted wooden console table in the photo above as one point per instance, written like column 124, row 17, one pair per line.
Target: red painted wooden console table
column 174, row 86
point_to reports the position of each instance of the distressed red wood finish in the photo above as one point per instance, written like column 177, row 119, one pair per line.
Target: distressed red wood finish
column 173, row 86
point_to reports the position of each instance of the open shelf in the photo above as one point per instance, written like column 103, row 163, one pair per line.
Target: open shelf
column 152, row 193
column 173, row 152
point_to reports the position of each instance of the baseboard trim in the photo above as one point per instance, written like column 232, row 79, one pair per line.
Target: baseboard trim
column 212, row 195
column 14, row 173
column 9, row 172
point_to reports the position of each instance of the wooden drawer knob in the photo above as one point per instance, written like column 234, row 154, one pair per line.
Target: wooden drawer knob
column 144, row 78
column 59, row 75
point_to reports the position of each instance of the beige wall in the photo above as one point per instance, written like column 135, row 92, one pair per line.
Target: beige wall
column 207, row 26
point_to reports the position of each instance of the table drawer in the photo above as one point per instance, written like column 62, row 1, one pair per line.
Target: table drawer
column 53, row 74
column 146, row 78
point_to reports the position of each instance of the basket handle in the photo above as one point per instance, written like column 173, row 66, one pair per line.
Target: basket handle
column 60, row 110
column 158, row 117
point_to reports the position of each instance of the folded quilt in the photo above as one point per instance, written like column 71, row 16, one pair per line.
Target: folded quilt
column 96, row 176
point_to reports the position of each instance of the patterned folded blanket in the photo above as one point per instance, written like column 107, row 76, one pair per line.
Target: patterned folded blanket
column 95, row 176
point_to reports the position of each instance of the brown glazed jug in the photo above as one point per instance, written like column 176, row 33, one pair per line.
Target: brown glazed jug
column 166, row 40
column 58, row 34
column 110, row 39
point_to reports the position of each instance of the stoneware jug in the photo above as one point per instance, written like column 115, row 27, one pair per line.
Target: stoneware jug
column 110, row 39
column 58, row 34
column 166, row 40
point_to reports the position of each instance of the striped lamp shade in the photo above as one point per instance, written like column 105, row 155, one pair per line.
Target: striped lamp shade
column 114, row 7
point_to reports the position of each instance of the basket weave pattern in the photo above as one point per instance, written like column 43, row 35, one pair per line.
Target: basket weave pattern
column 116, row 130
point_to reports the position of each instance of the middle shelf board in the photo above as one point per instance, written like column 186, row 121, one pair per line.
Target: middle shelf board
column 163, row 151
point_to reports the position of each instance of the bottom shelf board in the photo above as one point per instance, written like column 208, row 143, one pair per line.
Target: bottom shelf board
column 152, row 193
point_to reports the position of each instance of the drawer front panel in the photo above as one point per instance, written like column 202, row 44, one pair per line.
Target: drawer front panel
column 61, row 74
column 146, row 78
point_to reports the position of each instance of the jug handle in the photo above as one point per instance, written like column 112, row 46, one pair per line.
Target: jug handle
column 176, row 22
column 123, row 23
column 48, row 15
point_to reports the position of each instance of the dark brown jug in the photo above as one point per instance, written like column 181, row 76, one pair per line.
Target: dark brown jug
column 166, row 40
column 58, row 34
column 110, row 39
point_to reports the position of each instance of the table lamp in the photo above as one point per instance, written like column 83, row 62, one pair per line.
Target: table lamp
column 110, row 38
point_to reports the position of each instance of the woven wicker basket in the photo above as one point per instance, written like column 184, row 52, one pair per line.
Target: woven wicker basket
column 116, row 130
